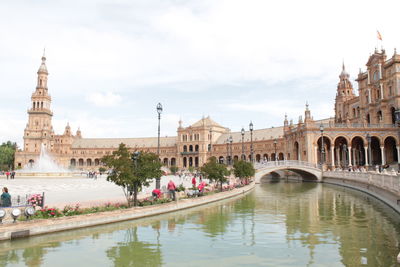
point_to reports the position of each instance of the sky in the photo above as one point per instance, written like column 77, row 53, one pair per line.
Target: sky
column 110, row 62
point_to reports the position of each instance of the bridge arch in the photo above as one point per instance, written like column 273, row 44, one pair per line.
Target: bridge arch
column 307, row 171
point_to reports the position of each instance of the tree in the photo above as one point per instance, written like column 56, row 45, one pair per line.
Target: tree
column 7, row 155
column 215, row 171
column 243, row 169
column 174, row 169
column 132, row 171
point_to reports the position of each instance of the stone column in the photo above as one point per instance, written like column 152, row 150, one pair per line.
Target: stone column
column 316, row 154
column 398, row 153
column 366, row 155
column 333, row 156
column 383, row 155
column 349, row 152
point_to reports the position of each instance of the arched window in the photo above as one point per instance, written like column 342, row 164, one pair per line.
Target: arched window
column 196, row 148
column 190, row 148
column 34, row 105
column 41, row 104
column 184, row 148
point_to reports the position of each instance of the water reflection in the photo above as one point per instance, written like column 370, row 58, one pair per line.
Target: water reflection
column 130, row 252
column 279, row 224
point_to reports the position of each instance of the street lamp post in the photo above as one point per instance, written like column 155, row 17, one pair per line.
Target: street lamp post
column 275, row 143
column 230, row 151
column 210, row 142
column 321, row 128
column 242, row 132
column 227, row 151
column 369, row 163
column 251, row 141
column 159, row 111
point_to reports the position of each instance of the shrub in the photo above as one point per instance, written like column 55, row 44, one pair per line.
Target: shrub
column 35, row 200
column 180, row 188
column 48, row 213
column 174, row 169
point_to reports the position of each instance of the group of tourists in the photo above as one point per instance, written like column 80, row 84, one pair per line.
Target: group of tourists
column 8, row 174
column 171, row 188
column 92, row 175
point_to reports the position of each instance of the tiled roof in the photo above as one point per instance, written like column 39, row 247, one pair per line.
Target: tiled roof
column 130, row 142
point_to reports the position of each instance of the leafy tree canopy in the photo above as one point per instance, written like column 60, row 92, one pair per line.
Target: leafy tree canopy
column 243, row 169
column 7, row 154
column 132, row 171
column 215, row 171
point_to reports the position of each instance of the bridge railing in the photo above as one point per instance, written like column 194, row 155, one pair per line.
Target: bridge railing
column 270, row 164
column 387, row 181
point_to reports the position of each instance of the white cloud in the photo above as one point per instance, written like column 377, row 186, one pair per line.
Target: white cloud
column 108, row 99
column 184, row 54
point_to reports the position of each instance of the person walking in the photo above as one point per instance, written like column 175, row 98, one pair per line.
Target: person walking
column 5, row 198
column 8, row 174
column 194, row 182
column 171, row 188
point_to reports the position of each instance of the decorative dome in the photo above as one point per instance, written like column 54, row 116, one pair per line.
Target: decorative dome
column 344, row 74
column 43, row 68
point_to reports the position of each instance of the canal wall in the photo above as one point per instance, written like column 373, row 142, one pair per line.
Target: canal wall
column 385, row 187
column 39, row 227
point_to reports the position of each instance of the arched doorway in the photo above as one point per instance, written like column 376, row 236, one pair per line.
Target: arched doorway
column 165, row 161
column 273, row 157
column 221, row 160
column 296, row 151
column 376, row 151
column 96, row 162
column 80, row 162
column 235, row 158
column 89, row 162
column 73, row 162
column 196, row 162
column 184, row 162
column 280, row 156
column 258, row 157
column 324, row 155
column 265, row 157
column 173, row 162
column 341, row 152
column 190, row 161
column 30, row 163
column 390, row 150
column 358, row 151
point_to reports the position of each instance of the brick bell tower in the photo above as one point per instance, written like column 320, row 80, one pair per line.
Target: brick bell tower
column 39, row 128
column 344, row 93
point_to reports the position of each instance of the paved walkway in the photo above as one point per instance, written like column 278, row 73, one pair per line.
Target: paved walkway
column 85, row 191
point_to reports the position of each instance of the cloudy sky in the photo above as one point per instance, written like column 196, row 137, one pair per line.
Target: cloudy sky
column 111, row 62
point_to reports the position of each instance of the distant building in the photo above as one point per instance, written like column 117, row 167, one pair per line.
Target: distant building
column 345, row 141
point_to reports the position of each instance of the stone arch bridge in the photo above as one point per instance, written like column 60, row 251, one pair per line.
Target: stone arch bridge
column 308, row 171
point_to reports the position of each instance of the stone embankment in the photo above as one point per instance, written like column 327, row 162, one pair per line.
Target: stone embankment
column 38, row 227
column 385, row 187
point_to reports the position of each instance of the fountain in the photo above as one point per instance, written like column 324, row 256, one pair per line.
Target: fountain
column 44, row 166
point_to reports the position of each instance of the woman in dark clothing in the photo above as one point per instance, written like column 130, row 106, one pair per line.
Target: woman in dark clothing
column 5, row 198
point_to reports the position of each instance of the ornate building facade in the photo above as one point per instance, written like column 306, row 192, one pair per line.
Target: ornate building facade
column 363, row 131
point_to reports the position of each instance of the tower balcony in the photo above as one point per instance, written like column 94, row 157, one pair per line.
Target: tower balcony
column 188, row 153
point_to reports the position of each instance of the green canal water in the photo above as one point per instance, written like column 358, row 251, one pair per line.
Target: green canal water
column 278, row 224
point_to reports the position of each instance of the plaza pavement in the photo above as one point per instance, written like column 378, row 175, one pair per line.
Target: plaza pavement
column 85, row 191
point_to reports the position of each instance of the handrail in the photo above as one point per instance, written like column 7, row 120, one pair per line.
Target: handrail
column 389, row 181
column 268, row 164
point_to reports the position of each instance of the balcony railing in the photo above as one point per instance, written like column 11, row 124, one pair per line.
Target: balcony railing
column 189, row 153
